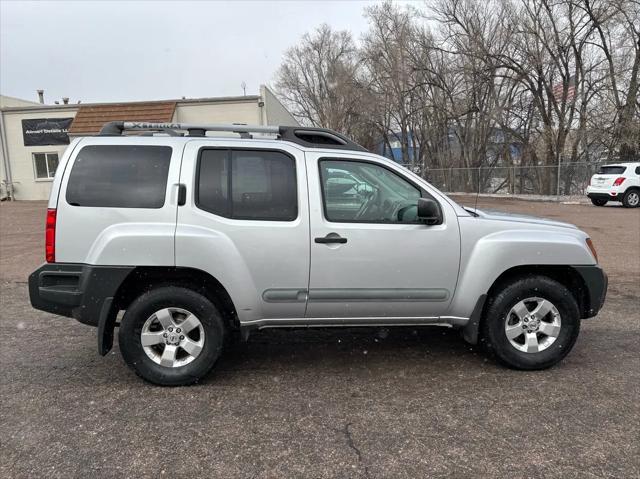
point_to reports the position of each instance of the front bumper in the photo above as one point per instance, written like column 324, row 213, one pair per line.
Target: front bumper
column 596, row 282
column 75, row 290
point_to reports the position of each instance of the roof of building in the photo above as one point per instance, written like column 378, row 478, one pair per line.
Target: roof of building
column 185, row 101
column 91, row 118
column 7, row 101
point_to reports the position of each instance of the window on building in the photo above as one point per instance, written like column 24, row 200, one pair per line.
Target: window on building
column 45, row 165
column 248, row 184
column 119, row 176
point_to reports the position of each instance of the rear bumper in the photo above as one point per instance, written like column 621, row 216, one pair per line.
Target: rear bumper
column 606, row 196
column 75, row 290
column 596, row 282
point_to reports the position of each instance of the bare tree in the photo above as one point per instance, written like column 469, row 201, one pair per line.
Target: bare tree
column 462, row 83
column 318, row 79
column 385, row 59
column 617, row 24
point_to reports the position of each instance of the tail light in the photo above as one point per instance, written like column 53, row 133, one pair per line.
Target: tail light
column 619, row 181
column 50, row 236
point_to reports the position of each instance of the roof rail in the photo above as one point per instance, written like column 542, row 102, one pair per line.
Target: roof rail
column 318, row 138
column 117, row 128
column 309, row 137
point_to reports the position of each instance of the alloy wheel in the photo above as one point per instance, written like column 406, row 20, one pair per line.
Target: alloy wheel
column 172, row 337
column 532, row 325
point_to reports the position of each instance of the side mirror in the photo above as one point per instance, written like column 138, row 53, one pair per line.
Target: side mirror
column 429, row 211
column 364, row 189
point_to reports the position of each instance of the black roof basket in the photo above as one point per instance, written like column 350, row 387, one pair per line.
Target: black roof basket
column 305, row 136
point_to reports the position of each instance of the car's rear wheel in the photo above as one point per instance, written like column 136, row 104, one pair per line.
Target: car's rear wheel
column 171, row 336
column 631, row 198
column 598, row 201
column 531, row 323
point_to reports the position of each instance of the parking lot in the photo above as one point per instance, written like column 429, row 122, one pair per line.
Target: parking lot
column 409, row 402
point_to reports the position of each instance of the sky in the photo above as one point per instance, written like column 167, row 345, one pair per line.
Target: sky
column 97, row 51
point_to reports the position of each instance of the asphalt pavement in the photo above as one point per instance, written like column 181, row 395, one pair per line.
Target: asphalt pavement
column 406, row 402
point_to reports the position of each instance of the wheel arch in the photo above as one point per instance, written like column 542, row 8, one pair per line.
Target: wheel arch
column 145, row 278
column 564, row 274
column 632, row 188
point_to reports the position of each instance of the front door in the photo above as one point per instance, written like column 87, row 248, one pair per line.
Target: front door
column 370, row 255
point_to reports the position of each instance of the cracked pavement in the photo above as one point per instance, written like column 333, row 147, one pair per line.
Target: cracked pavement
column 407, row 402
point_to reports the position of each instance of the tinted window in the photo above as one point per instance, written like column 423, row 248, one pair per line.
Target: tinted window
column 119, row 176
column 611, row 170
column 638, row 170
column 355, row 191
column 213, row 182
column 247, row 184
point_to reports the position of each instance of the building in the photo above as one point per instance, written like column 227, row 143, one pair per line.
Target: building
column 391, row 147
column 34, row 136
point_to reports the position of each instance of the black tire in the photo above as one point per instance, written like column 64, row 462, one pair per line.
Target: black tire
column 493, row 332
column 631, row 198
column 144, row 307
column 598, row 201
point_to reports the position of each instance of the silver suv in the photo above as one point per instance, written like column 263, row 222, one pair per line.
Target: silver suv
column 183, row 239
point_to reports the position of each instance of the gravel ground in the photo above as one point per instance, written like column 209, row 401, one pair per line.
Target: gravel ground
column 324, row 403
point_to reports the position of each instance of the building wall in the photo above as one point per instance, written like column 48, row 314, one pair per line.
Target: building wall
column 9, row 101
column 253, row 110
column 25, row 186
column 274, row 111
column 223, row 112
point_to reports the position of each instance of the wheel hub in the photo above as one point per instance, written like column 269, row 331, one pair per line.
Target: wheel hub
column 532, row 325
column 172, row 337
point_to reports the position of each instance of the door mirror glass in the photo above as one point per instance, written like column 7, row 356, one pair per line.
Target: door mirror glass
column 429, row 211
column 341, row 186
column 364, row 189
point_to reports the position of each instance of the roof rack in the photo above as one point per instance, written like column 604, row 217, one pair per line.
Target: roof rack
column 309, row 137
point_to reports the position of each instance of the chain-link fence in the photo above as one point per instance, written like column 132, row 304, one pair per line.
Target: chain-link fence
column 513, row 180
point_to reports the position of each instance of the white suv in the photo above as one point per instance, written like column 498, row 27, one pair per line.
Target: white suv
column 183, row 239
column 616, row 182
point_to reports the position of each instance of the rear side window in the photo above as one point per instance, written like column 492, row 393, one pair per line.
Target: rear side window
column 119, row 176
column 247, row 184
column 611, row 170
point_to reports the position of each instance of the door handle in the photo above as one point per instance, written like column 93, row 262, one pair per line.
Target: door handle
column 331, row 238
column 182, row 194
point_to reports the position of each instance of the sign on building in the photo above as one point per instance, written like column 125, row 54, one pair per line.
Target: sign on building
column 46, row 131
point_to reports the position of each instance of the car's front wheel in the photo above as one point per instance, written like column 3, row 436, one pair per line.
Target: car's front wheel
column 532, row 323
column 171, row 336
column 598, row 201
